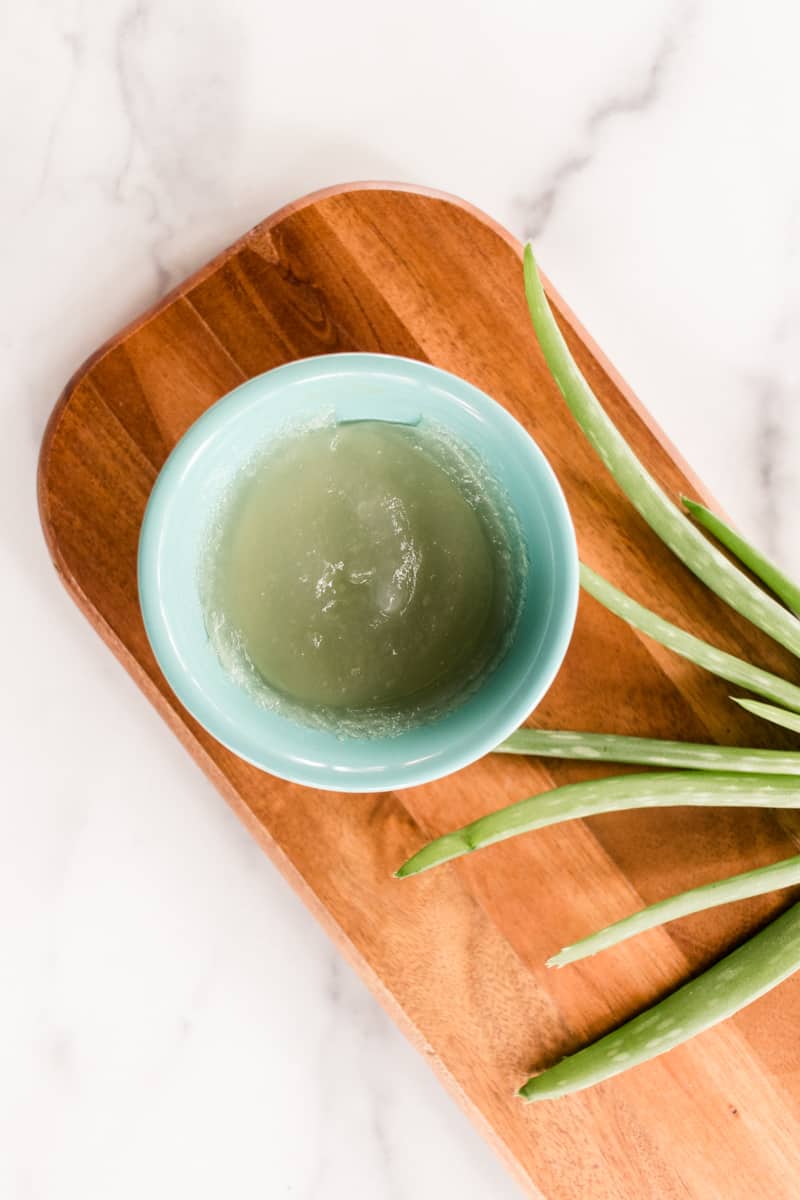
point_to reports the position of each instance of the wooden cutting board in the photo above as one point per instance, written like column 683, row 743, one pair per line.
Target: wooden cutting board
column 457, row 956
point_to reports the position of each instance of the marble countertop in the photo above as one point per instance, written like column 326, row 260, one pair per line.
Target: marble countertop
column 172, row 1021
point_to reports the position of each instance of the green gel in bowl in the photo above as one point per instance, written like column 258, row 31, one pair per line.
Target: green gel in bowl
column 203, row 465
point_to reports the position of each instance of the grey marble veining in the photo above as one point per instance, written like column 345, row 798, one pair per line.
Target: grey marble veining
column 635, row 98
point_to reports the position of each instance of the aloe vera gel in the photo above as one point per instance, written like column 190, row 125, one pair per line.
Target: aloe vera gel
column 363, row 576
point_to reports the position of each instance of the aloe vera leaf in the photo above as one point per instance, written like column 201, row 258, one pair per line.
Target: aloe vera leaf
column 651, row 752
column 651, row 790
column 778, row 716
column 675, row 529
column 734, row 982
column 761, row 566
column 718, row 662
column 723, row 891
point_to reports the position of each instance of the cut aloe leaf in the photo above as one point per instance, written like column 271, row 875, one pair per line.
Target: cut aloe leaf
column 778, row 716
column 761, row 566
column 723, row 891
column 741, row 977
column 718, row 662
column 675, row 529
column 651, row 752
column 574, row 800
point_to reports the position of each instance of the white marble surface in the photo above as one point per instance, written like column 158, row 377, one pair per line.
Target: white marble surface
column 172, row 1022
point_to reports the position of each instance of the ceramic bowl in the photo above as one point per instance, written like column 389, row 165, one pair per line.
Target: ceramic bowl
column 204, row 462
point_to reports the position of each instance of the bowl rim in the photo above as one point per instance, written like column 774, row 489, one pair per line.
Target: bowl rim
column 328, row 777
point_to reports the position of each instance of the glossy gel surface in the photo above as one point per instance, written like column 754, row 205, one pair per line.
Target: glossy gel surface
column 363, row 575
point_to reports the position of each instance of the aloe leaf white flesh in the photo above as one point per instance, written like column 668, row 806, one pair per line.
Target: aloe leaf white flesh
column 723, row 891
column 732, row 983
column 718, row 662
column 673, row 527
column 661, row 789
column 778, row 716
column 761, row 566
column 651, row 752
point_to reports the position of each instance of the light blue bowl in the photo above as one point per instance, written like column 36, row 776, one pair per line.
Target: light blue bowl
column 353, row 386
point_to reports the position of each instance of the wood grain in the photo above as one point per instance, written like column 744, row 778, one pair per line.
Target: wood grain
column 457, row 956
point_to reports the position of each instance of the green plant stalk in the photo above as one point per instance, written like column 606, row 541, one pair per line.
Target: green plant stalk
column 718, row 662
column 701, row 557
column 651, row 752
column 722, row 891
column 734, row 982
column 761, row 566
column 574, row 800
column 778, row 716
